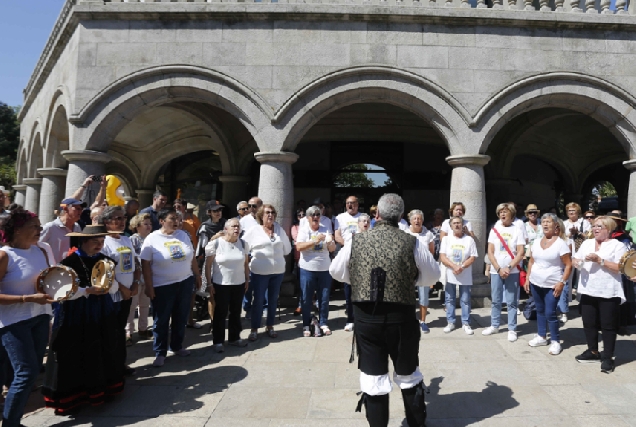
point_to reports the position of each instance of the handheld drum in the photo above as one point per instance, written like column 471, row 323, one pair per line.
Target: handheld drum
column 626, row 264
column 103, row 275
column 59, row 282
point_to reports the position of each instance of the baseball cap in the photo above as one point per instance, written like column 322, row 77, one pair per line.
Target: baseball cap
column 71, row 201
column 213, row 205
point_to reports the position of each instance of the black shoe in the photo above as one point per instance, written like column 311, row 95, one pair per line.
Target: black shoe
column 607, row 365
column 588, row 357
column 129, row 372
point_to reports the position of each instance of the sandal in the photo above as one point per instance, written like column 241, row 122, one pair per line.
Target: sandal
column 252, row 336
column 306, row 331
column 271, row 333
column 326, row 330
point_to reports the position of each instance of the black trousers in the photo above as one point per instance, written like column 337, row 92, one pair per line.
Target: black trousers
column 122, row 321
column 600, row 314
column 228, row 299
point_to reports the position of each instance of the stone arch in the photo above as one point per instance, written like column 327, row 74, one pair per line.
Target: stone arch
column 21, row 164
column 58, row 138
column 372, row 84
column 125, row 169
column 115, row 106
column 601, row 100
column 37, row 156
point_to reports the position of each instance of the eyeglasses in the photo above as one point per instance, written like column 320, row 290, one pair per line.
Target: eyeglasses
column 352, row 203
column 253, row 206
column 589, row 217
column 269, row 213
column 301, row 215
column 532, row 212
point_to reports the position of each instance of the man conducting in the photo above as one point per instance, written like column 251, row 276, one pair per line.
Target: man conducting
column 382, row 266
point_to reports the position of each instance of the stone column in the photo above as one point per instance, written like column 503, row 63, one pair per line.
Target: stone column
column 144, row 197
column 32, row 197
column 51, row 194
column 20, row 194
column 631, row 192
column 276, row 184
column 234, row 188
column 82, row 164
column 468, row 186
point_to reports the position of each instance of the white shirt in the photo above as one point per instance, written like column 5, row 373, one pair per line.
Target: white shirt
column 317, row 257
column 569, row 224
column 532, row 235
column 247, row 222
column 426, row 265
column 170, row 256
column 403, row 225
column 446, row 228
column 267, row 256
column 520, row 225
column 547, row 269
column 347, row 224
column 426, row 235
column 23, row 268
column 54, row 233
column 229, row 261
column 598, row 281
column 123, row 253
column 513, row 237
column 458, row 250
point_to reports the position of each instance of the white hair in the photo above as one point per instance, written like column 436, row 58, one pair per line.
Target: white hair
column 238, row 205
column 391, row 207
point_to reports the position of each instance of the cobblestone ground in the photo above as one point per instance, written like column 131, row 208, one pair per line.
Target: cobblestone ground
column 294, row 381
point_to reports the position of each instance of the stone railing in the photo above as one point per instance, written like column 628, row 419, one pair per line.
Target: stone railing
column 620, row 7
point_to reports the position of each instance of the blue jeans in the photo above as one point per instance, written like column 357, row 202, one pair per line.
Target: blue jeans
column 170, row 310
column 25, row 344
column 464, row 302
column 320, row 283
column 348, row 304
column 564, row 298
column 423, row 293
column 265, row 286
column 509, row 289
column 546, row 304
column 247, row 298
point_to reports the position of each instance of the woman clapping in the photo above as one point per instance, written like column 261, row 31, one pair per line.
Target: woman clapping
column 548, row 271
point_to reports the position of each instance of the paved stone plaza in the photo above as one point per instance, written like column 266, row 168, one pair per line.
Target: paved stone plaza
column 294, row 381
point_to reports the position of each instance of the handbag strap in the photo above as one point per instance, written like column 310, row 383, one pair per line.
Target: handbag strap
column 505, row 245
column 46, row 256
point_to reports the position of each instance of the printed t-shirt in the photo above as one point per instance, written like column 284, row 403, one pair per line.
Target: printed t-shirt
column 458, row 250
column 513, row 237
column 170, row 256
column 317, row 257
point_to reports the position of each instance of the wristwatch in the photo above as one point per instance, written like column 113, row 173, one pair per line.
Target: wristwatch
column 602, row 262
column 509, row 267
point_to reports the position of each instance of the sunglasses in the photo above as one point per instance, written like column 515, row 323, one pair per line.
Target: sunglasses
column 532, row 212
column 589, row 217
column 253, row 206
column 242, row 209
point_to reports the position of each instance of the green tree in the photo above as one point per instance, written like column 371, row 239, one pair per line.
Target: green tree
column 357, row 178
column 9, row 142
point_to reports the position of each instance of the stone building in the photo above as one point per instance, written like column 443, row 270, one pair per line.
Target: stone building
column 457, row 100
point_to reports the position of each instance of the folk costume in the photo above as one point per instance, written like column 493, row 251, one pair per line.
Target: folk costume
column 382, row 266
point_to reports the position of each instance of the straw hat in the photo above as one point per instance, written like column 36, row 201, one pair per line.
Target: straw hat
column 616, row 216
column 532, row 207
column 92, row 231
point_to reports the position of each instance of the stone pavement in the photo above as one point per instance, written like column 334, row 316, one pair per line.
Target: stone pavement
column 294, row 381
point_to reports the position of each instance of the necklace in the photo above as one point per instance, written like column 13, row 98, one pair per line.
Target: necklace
column 545, row 242
column 270, row 234
column 88, row 276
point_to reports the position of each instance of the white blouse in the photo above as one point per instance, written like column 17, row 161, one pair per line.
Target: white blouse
column 268, row 256
column 598, row 281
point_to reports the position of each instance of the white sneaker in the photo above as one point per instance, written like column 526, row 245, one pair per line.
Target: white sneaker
column 218, row 348
column 349, row 327
column 512, row 336
column 537, row 341
column 490, row 330
column 468, row 329
column 450, row 328
column 555, row 348
column 564, row 318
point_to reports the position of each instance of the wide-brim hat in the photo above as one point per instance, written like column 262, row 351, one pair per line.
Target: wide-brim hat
column 92, row 231
column 532, row 207
column 616, row 217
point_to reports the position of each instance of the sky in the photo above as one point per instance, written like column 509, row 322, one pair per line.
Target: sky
column 25, row 26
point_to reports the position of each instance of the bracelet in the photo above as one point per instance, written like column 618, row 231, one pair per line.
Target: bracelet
column 498, row 269
column 23, row 299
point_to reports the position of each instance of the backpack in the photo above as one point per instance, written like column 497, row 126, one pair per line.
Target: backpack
column 530, row 310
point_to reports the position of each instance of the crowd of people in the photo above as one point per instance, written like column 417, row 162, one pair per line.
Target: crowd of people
column 163, row 254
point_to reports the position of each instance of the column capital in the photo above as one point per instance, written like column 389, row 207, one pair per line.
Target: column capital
column 19, row 187
column 468, row 159
column 234, row 178
column 86, row 156
column 52, row 172
column 630, row 164
column 32, row 181
column 276, row 156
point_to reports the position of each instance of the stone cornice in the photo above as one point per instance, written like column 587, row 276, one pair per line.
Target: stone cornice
column 75, row 11
column 468, row 159
column 629, row 164
column 32, row 181
column 52, row 172
column 276, row 156
column 86, row 156
column 21, row 187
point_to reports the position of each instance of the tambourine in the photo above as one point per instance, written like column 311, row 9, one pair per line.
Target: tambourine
column 103, row 275
column 59, row 282
column 626, row 264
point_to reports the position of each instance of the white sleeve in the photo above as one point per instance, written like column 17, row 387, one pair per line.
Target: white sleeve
column 286, row 243
column 442, row 246
column 427, row 266
column 469, row 226
column 336, row 224
column 339, row 268
column 446, row 226
column 521, row 239
column 564, row 248
column 303, row 235
column 472, row 249
column 146, row 249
